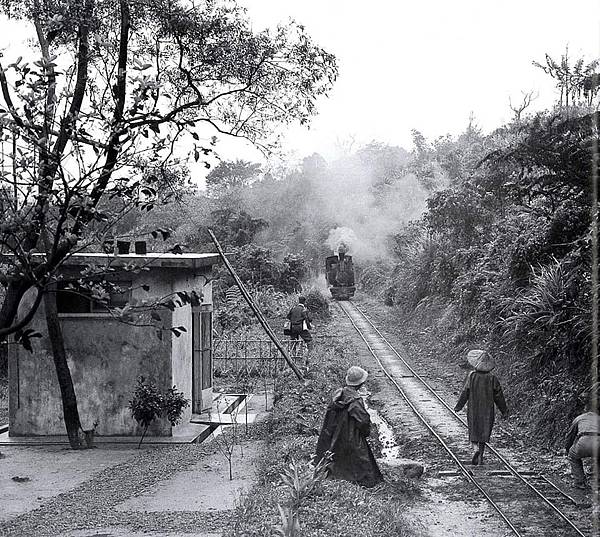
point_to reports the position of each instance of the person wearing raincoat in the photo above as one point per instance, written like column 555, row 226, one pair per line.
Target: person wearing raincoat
column 344, row 433
column 482, row 390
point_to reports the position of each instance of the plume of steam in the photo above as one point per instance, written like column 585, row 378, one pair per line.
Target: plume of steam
column 342, row 240
column 365, row 221
column 363, row 199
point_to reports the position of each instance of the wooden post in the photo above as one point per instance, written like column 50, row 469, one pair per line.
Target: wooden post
column 254, row 308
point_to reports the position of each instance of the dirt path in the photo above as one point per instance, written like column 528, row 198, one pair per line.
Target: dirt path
column 449, row 506
column 171, row 491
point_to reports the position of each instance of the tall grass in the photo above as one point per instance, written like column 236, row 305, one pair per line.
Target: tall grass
column 548, row 321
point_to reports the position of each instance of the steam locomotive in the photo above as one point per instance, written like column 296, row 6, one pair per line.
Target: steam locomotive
column 339, row 273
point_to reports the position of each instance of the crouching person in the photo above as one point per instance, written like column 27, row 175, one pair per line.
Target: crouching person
column 344, row 433
column 482, row 390
column 583, row 440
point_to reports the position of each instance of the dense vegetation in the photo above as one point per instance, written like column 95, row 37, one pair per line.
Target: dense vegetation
column 503, row 255
column 488, row 237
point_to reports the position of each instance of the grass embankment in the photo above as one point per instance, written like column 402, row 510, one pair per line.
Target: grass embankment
column 331, row 508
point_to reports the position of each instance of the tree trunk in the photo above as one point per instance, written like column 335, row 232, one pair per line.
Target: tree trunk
column 143, row 435
column 246, row 407
column 67, row 391
column 10, row 305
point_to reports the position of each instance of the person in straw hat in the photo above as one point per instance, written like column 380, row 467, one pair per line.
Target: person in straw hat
column 344, row 434
column 482, row 390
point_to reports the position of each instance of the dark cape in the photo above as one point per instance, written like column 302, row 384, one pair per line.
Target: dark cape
column 345, row 430
column 482, row 391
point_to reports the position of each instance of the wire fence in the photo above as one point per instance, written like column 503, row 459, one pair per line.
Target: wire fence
column 253, row 357
column 248, row 364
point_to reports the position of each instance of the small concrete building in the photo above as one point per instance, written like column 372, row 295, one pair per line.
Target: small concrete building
column 106, row 355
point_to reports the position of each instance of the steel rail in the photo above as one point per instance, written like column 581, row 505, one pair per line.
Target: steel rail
column 468, row 474
column 509, row 466
column 570, row 498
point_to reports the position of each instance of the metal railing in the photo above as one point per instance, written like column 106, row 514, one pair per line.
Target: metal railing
column 252, row 358
column 246, row 364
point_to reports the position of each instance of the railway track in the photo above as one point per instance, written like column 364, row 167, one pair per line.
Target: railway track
column 524, row 500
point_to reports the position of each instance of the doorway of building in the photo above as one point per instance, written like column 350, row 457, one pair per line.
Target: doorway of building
column 202, row 378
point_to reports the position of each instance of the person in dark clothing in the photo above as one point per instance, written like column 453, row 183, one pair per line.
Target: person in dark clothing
column 482, row 390
column 344, row 434
column 300, row 323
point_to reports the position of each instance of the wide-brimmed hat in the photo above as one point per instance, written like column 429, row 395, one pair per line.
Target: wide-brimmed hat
column 356, row 376
column 480, row 360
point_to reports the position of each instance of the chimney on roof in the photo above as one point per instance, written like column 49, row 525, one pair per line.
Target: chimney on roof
column 140, row 247
column 123, row 247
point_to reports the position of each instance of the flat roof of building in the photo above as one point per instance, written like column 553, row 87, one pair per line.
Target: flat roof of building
column 151, row 259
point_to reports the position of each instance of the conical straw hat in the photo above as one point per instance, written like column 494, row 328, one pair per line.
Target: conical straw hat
column 480, row 360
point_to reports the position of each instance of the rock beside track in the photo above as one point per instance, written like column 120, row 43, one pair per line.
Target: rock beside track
column 406, row 467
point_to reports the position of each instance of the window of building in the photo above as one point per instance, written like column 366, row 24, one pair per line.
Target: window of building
column 73, row 299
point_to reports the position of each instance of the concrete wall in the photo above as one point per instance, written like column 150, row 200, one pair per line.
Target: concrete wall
column 106, row 357
column 181, row 358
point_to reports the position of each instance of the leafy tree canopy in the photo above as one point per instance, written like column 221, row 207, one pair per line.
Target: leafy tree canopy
column 231, row 175
column 115, row 88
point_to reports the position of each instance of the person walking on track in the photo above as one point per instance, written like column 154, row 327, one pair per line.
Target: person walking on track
column 344, row 433
column 300, row 323
column 482, row 390
column 583, row 440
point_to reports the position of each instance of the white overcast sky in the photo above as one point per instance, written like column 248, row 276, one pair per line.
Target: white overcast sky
column 424, row 64
column 427, row 64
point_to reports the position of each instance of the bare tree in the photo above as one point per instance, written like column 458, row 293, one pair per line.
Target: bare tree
column 526, row 99
column 227, row 437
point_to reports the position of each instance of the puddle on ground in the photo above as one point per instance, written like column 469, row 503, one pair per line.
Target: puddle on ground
column 438, row 513
column 389, row 448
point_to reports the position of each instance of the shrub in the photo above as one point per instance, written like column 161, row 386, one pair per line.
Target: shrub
column 549, row 319
column 317, row 304
column 238, row 317
column 294, row 271
column 148, row 404
column 173, row 404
